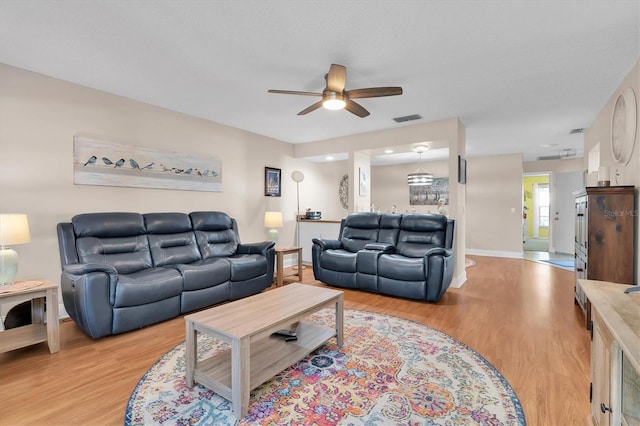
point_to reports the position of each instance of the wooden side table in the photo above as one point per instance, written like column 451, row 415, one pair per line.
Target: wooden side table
column 38, row 291
column 280, row 252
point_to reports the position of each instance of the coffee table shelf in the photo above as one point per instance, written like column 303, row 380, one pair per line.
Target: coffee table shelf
column 268, row 354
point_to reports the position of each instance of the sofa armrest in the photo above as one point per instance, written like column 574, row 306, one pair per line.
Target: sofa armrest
column 85, row 268
column 88, row 293
column 256, row 248
column 439, row 251
column 88, row 271
column 327, row 244
column 381, row 247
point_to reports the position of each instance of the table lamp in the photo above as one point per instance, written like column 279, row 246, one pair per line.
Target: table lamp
column 14, row 229
column 273, row 220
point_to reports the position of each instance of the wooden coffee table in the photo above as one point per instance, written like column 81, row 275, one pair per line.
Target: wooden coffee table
column 254, row 356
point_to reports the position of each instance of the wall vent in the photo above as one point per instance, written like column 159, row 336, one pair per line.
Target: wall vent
column 578, row 130
column 407, row 118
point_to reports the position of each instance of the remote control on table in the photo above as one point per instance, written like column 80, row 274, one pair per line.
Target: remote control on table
column 285, row 333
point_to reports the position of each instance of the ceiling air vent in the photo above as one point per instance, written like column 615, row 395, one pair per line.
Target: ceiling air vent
column 578, row 130
column 407, row 118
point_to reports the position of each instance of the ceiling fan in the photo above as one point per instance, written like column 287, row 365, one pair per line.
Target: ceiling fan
column 335, row 97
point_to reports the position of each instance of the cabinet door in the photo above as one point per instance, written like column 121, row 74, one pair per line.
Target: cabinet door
column 601, row 373
column 309, row 230
column 581, row 224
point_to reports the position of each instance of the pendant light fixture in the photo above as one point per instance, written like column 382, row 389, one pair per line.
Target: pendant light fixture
column 420, row 176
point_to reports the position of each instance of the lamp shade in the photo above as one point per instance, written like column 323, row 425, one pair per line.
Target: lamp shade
column 14, row 229
column 419, row 178
column 273, row 219
column 297, row 176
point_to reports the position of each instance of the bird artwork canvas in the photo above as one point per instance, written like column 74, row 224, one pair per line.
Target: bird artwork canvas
column 98, row 161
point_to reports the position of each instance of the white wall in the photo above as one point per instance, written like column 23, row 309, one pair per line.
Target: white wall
column 40, row 115
column 359, row 195
column 494, row 187
column 389, row 186
column 494, row 205
column 600, row 133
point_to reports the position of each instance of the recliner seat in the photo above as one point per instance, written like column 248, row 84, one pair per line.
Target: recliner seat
column 404, row 255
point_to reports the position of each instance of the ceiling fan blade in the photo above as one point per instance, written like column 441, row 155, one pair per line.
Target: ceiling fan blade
column 373, row 92
column 313, row 107
column 356, row 109
column 336, row 78
column 294, row 92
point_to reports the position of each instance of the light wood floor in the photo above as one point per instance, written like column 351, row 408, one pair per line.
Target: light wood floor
column 518, row 314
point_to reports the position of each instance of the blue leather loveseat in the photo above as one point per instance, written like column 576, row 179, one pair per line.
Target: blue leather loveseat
column 404, row 255
column 123, row 271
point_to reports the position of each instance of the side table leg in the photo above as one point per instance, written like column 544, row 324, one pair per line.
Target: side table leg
column 191, row 342
column 279, row 272
column 339, row 320
column 240, row 378
column 300, row 264
column 53, row 323
column 37, row 310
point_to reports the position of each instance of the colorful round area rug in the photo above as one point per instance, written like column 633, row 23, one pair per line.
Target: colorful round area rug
column 389, row 371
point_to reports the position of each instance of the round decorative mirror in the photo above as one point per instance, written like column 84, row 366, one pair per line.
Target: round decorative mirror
column 623, row 127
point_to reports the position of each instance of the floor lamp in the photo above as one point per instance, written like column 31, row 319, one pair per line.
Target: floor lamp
column 297, row 177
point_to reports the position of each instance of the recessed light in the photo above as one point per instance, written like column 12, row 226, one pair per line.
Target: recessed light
column 388, row 151
column 329, row 158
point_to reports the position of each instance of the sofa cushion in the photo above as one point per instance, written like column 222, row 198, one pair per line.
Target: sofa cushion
column 358, row 230
column 205, row 273
column 166, row 223
column 171, row 240
column 216, row 234
column 117, row 239
column 147, row 286
column 173, row 249
column 338, row 260
column 108, row 225
column 419, row 233
column 389, row 228
column 126, row 254
column 401, row 267
column 247, row 266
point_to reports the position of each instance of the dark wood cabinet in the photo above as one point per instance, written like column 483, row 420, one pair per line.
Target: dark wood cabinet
column 605, row 229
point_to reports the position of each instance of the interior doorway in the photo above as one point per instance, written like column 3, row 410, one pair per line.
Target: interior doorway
column 536, row 212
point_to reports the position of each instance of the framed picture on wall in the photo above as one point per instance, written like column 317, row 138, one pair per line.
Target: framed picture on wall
column 462, row 170
column 272, row 185
column 363, row 182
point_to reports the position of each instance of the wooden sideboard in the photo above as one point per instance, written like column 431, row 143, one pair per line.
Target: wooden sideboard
column 615, row 353
column 605, row 228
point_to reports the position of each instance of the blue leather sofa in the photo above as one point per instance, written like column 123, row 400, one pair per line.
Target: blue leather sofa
column 404, row 255
column 123, row 271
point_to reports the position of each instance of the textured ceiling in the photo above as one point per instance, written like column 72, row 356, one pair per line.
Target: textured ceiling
column 519, row 74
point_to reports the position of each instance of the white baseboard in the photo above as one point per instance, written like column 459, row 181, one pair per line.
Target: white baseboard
column 62, row 312
column 459, row 281
column 495, row 253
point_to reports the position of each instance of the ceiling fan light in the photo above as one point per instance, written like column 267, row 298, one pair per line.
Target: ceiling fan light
column 333, row 101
